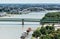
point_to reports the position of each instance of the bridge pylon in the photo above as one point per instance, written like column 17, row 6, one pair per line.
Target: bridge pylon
column 22, row 24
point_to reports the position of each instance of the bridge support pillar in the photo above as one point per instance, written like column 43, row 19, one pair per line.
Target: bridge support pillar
column 39, row 23
column 22, row 21
column 22, row 24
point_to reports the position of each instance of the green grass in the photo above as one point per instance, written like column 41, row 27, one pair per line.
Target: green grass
column 32, row 37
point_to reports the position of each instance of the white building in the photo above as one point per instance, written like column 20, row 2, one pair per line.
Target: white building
column 2, row 14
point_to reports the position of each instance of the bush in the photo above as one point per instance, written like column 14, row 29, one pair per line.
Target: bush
column 47, row 32
column 36, row 34
column 43, row 30
column 50, row 29
column 45, row 37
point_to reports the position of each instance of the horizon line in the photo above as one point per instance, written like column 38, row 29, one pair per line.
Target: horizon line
column 29, row 3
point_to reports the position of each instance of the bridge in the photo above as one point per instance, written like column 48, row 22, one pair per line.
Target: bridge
column 25, row 11
column 19, row 20
column 32, row 9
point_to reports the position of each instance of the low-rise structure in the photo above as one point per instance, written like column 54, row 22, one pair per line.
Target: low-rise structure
column 2, row 14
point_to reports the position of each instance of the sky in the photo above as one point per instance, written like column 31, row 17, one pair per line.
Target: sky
column 29, row 1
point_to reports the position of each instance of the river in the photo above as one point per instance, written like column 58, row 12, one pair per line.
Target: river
column 13, row 30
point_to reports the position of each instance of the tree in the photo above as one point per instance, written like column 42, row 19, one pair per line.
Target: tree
column 47, row 32
column 43, row 30
column 53, row 17
column 36, row 33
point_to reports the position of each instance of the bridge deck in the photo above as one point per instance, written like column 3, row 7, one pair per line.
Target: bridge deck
column 20, row 19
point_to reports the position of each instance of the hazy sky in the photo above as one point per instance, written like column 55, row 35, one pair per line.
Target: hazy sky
column 29, row 1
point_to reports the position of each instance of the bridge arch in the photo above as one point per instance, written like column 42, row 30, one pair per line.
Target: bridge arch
column 32, row 8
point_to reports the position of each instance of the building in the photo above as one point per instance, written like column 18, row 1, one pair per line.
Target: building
column 2, row 14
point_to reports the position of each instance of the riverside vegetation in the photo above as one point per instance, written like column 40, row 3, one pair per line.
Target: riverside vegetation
column 48, row 32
